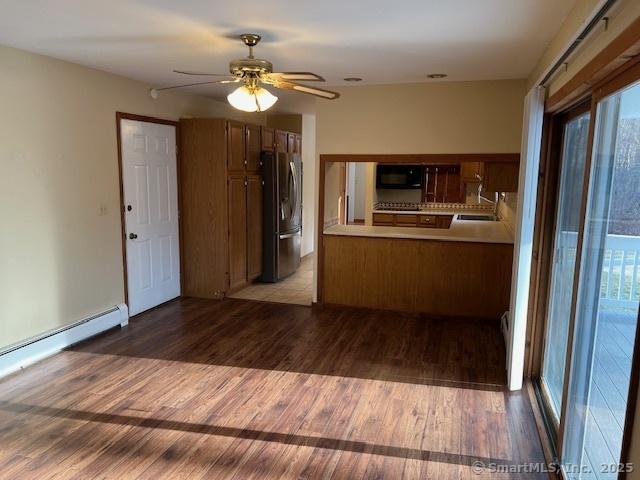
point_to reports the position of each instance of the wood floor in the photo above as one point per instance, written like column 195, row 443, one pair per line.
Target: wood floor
column 205, row 389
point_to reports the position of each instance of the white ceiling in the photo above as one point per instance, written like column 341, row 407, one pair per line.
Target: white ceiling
column 382, row 41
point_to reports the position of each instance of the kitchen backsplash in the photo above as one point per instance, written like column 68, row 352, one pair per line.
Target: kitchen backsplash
column 431, row 206
column 400, row 195
column 507, row 208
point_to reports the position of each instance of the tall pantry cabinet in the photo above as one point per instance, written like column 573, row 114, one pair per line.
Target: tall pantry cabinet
column 221, row 202
column 221, row 206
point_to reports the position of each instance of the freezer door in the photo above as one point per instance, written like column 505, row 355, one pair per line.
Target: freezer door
column 289, row 191
column 288, row 253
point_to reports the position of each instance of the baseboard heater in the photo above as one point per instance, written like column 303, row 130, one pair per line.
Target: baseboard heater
column 20, row 355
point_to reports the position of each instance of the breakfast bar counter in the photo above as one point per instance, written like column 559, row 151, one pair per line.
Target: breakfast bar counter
column 460, row 231
column 460, row 271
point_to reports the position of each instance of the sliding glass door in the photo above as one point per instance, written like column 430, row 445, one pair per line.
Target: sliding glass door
column 593, row 291
column 573, row 160
column 607, row 295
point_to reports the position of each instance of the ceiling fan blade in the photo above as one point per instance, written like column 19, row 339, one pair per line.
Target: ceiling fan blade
column 297, row 76
column 318, row 92
column 195, row 84
column 183, row 72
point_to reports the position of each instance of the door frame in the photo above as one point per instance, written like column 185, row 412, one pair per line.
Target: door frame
column 623, row 76
column 142, row 118
column 550, row 198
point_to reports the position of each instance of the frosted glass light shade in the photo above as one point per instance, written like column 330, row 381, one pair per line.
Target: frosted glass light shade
column 251, row 99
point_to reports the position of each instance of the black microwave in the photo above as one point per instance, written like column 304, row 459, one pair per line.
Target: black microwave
column 399, row 176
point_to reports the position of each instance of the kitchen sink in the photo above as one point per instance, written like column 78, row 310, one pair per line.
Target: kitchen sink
column 483, row 218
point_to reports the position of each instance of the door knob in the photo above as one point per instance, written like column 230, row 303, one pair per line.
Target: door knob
column 133, row 236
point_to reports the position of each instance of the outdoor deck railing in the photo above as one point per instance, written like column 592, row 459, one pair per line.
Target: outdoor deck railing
column 619, row 284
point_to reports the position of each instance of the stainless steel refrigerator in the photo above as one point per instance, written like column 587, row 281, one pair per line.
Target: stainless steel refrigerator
column 282, row 215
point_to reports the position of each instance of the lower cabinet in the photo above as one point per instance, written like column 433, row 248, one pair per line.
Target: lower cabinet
column 237, row 194
column 254, row 227
column 411, row 220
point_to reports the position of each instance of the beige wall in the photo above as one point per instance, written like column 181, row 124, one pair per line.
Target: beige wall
column 331, row 191
column 61, row 260
column 445, row 117
column 308, row 183
column 285, row 121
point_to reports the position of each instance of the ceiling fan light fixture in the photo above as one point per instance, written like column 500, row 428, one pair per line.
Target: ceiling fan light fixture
column 251, row 99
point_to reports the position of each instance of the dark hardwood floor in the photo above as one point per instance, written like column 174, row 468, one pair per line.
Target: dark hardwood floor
column 203, row 389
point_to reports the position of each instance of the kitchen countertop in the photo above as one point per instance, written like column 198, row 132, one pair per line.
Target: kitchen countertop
column 438, row 211
column 477, row 231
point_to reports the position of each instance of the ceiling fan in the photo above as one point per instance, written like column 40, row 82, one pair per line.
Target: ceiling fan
column 252, row 73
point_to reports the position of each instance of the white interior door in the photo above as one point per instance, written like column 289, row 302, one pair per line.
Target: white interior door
column 149, row 171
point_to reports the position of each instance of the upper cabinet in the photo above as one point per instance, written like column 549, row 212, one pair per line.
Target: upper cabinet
column 500, row 176
column 282, row 143
column 253, row 147
column 295, row 143
column 441, row 184
column 471, row 172
column 291, row 143
column 235, row 146
column 268, row 138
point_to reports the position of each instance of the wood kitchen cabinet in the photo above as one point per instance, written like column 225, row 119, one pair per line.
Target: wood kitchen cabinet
column 237, row 202
column 297, row 144
column 442, row 184
column 254, row 227
column 471, row 172
column 294, row 141
column 412, row 220
column 236, row 159
column 253, row 147
column 501, row 176
column 268, row 138
column 221, row 203
column 282, row 141
column 203, row 207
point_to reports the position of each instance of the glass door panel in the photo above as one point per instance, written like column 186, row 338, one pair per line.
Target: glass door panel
column 607, row 296
column 574, row 156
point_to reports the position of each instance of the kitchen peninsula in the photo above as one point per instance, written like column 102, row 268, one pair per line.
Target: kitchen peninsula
column 438, row 258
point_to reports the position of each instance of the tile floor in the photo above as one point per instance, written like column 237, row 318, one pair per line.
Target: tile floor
column 296, row 289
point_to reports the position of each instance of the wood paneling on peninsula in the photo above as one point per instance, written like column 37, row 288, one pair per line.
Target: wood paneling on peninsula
column 435, row 277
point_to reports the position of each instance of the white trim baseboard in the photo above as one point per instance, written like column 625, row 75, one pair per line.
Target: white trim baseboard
column 22, row 355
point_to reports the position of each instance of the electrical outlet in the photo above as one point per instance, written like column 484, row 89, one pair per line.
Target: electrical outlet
column 103, row 210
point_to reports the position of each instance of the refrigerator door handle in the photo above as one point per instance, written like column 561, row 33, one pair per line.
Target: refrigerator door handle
column 294, row 208
column 284, row 236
